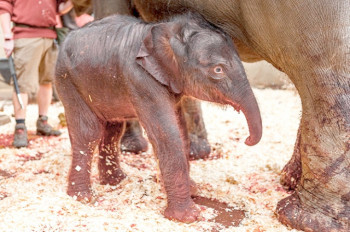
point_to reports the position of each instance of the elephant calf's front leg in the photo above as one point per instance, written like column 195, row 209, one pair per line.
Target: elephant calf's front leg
column 171, row 149
column 108, row 165
column 178, row 185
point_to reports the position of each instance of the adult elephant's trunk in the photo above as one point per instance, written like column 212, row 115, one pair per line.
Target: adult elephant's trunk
column 248, row 105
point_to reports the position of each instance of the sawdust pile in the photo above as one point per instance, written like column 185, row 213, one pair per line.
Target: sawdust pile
column 33, row 180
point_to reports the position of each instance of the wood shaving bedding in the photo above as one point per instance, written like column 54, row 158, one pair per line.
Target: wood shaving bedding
column 33, row 180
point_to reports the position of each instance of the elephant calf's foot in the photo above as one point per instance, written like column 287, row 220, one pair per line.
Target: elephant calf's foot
column 200, row 148
column 112, row 179
column 291, row 212
column 134, row 143
column 84, row 195
column 290, row 175
column 186, row 214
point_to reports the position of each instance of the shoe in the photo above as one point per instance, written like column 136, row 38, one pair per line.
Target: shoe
column 20, row 138
column 44, row 128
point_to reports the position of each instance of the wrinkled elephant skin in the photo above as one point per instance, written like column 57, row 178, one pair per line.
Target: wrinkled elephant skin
column 308, row 40
column 120, row 68
column 132, row 140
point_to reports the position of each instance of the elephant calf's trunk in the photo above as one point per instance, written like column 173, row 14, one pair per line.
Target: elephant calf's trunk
column 254, row 136
column 251, row 112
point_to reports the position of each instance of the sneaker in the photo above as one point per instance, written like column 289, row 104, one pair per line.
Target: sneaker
column 20, row 138
column 44, row 128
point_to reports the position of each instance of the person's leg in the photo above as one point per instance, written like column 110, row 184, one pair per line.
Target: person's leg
column 26, row 58
column 44, row 96
column 18, row 111
column 20, row 136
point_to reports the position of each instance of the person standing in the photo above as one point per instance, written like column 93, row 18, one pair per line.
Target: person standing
column 31, row 40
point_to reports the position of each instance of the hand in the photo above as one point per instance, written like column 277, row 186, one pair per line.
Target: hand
column 8, row 47
column 65, row 7
column 5, row 19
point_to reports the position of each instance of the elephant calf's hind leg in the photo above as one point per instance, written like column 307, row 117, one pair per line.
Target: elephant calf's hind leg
column 108, row 162
column 84, row 133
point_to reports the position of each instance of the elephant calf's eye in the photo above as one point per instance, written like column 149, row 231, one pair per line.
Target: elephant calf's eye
column 218, row 70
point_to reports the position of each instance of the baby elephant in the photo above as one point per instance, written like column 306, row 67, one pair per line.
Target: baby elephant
column 120, row 68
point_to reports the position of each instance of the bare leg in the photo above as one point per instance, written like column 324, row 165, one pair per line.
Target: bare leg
column 19, row 112
column 108, row 165
column 20, row 138
column 44, row 98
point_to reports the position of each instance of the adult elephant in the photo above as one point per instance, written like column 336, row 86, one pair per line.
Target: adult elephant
column 309, row 41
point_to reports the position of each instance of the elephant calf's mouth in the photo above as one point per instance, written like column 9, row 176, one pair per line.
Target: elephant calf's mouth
column 235, row 106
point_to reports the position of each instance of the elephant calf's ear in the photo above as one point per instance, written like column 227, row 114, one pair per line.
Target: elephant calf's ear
column 157, row 57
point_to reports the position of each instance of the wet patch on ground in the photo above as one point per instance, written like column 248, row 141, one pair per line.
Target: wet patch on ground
column 226, row 215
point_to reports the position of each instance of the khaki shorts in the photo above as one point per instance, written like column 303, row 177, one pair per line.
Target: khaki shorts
column 35, row 60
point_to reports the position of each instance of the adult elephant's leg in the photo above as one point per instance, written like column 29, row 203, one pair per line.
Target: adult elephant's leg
column 291, row 173
column 104, row 8
column 321, row 73
column 108, row 162
column 321, row 201
column 132, row 140
column 309, row 41
column 199, row 145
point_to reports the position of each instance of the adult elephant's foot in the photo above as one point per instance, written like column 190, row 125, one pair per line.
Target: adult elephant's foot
column 291, row 173
column 291, row 212
column 200, row 147
column 321, row 201
column 187, row 213
column 135, row 144
column 193, row 188
column 132, row 140
column 112, row 177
